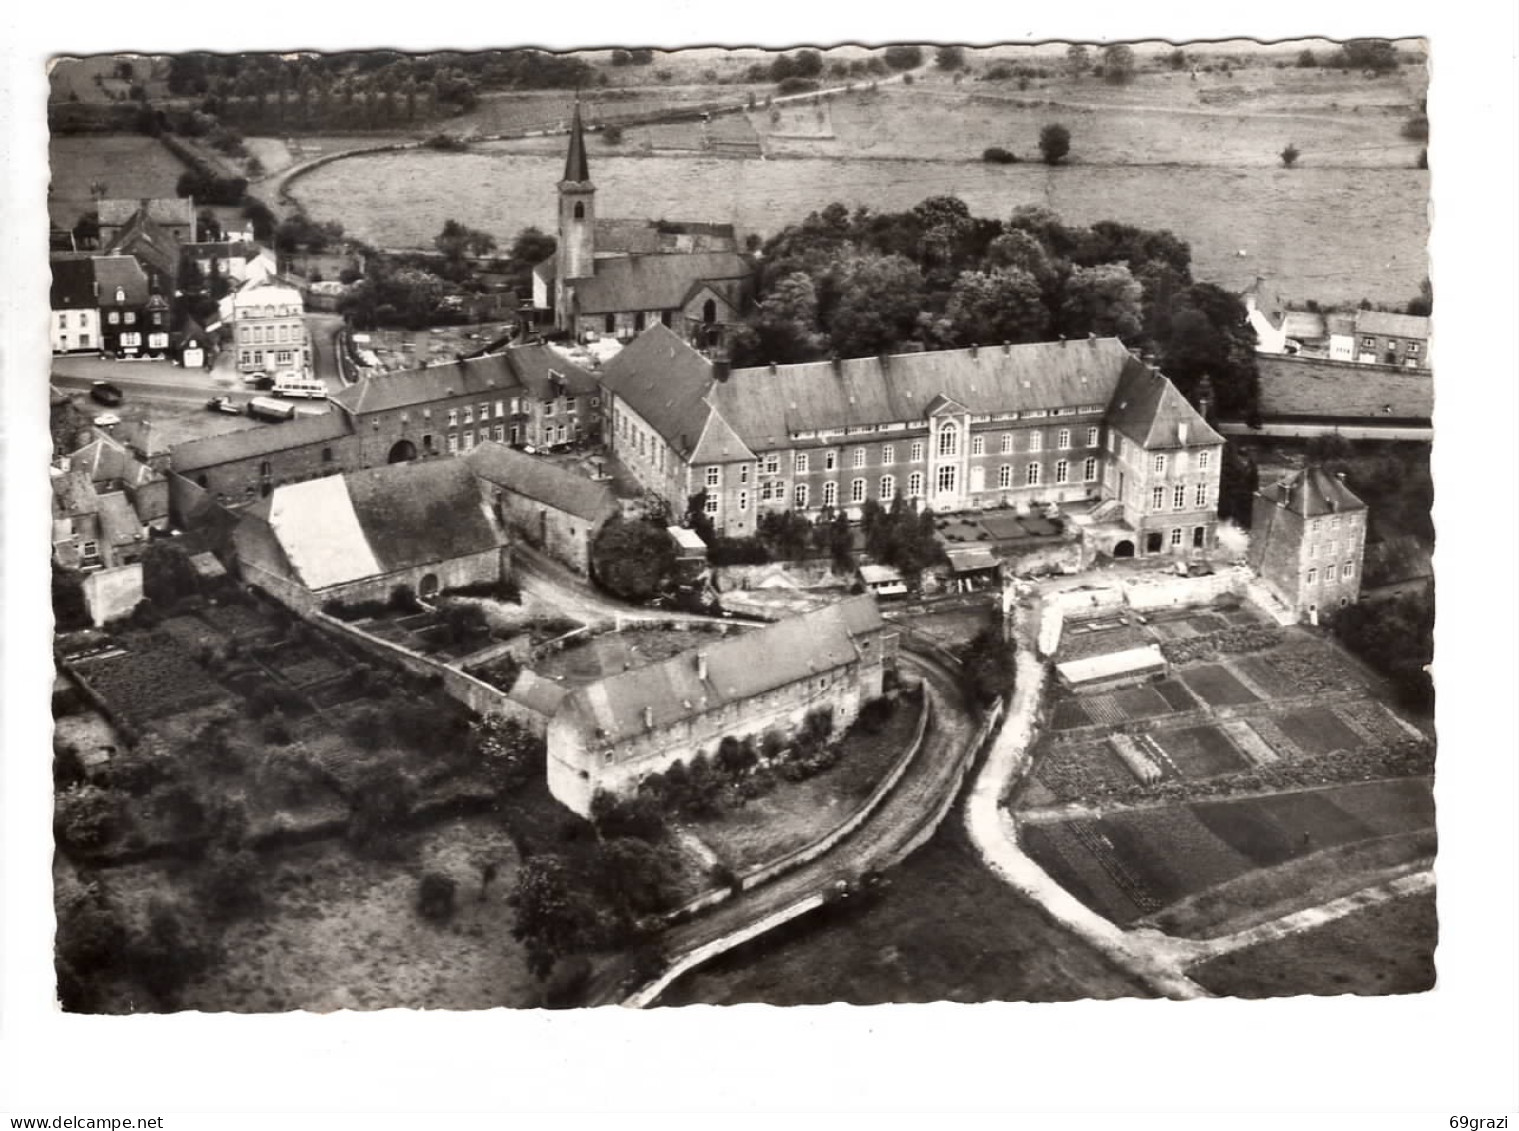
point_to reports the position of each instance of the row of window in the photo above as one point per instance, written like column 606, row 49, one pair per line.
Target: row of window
column 1347, row 571
column 256, row 357
column 117, row 317
column 63, row 320
column 1392, row 344
column 1331, row 549
column 1179, row 497
column 268, row 335
column 1204, row 459
column 1332, row 522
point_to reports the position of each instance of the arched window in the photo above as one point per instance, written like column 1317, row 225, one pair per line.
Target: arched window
column 709, row 311
column 949, row 439
column 579, row 210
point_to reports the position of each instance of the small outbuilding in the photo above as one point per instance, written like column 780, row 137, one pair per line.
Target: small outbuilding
column 1114, row 669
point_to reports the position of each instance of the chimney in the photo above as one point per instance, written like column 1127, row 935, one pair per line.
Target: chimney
column 648, row 718
column 838, row 364
column 1062, row 341
column 722, row 367
column 1092, row 340
column 773, row 369
column 1007, row 348
column 701, row 666
column 975, row 351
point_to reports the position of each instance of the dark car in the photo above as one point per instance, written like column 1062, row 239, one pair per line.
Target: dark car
column 225, row 404
column 106, row 393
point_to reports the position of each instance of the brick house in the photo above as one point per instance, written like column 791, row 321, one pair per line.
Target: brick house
column 1008, row 426
column 609, row 735
column 1376, row 337
column 1307, row 541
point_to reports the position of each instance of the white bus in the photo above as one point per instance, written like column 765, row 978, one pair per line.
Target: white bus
column 297, row 385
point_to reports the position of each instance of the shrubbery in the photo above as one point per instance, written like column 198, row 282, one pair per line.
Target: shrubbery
column 996, row 155
column 436, row 896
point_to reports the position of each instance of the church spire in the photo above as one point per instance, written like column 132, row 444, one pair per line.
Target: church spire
column 576, row 168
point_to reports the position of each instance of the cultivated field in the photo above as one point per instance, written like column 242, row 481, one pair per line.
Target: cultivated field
column 1314, row 231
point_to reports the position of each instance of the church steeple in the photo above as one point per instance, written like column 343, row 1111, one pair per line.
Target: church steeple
column 576, row 168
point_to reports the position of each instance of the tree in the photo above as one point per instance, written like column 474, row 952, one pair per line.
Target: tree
column 1078, row 60
column 1306, row 58
column 532, row 246
column 633, row 559
column 1054, row 143
column 1177, row 59
column 611, row 135
column 988, row 665
column 512, row 753
column 1424, row 304
column 1118, row 63
column 1290, row 155
column 879, row 298
column 637, row 877
column 167, row 575
column 456, row 240
column 1377, row 55
column 904, row 57
column 1103, row 300
column 1209, row 336
column 554, row 916
column 436, row 896
column 950, row 58
column 1005, row 305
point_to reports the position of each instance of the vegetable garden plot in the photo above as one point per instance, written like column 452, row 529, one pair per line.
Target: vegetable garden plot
column 1069, row 715
column 1269, row 679
column 235, row 620
column 1201, row 752
column 1075, row 770
column 1239, row 617
column 1171, row 852
column 1176, row 695
column 1318, row 730
column 1271, row 830
column 1204, row 623
column 1142, row 702
column 1216, row 686
column 1071, row 864
column 192, row 632
column 149, row 683
column 1388, row 807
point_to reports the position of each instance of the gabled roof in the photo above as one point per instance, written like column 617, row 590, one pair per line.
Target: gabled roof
column 162, row 209
column 653, row 282
column 124, row 272
column 541, row 481
column 1304, row 325
column 1312, row 492
column 1148, row 409
column 737, row 669
column 719, row 443
column 1392, row 325
column 526, row 370
column 665, row 381
column 345, row 528
column 576, row 168
column 250, row 443
column 73, row 494
column 73, row 283
column 1308, row 387
column 765, row 407
column 119, row 521
column 106, row 461
column 148, row 242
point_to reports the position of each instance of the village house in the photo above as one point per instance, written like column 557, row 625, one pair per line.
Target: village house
column 268, row 327
column 237, row 259
column 153, row 246
column 610, row 735
column 99, row 526
column 359, row 536
column 525, row 396
column 121, row 286
column 1377, row 337
column 174, row 215
column 547, row 507
column 1023, row 426
column 75, row 321
column 1307, row 539
column 616, row 278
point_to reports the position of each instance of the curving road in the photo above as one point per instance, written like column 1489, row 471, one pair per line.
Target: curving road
column 913, row 809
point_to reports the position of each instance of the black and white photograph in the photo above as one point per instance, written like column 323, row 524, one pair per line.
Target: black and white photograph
column 879, row 522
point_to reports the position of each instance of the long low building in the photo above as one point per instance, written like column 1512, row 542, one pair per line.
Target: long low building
column 610, row 735
column 1113, row 669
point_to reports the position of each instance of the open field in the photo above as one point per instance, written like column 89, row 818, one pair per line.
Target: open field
column 130, row 165
column 1314, row 231
column 945, row 929
column 1133, row 863
column 1384, row 949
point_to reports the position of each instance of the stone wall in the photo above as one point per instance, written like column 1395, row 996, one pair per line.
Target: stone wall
column 112, row 593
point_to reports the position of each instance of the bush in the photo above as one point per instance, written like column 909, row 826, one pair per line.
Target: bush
column 996, row 155
column 1054, row 143
column 86, row 816
column 795, row 85
column 1290, row 155
column 436, row 897
column 612, row 135
column 641, row 816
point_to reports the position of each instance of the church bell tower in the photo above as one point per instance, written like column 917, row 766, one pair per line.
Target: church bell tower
column 577, row 225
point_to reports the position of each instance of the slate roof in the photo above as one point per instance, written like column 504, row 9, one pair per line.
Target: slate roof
column 345, row 528
column 74, row 494
column 647, row 237
column 104, row 461
column 149, row 243
column 1392, row 325
column 1308, row 387
column 737, row 669
column 250, row 443
column 665, row 381
column 162, row 210
column 1312, row 492
column 113, row 271
column 653, row 282
column 541, row 481
column 535, row 693
column 73, row 285
column 520, row 369
column 1304, row 325
column 764, row 408
column 119, row 523
column 576, row 168
column 1150, row 410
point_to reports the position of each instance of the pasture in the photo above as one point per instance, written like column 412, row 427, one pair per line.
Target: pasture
column 129, row 165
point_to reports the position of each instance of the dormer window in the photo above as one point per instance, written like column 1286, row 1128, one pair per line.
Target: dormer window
column 121, row 295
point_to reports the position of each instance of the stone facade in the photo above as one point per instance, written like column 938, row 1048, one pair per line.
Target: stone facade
column 269, row 328
column 1307, row 540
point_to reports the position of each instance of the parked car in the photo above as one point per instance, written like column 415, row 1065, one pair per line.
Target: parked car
column 225, row 404
column 259, row 381
column 104, row 392
column 107, row 420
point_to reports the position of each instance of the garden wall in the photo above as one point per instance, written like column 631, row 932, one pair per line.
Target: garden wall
column 1064, row 557
column 1160, row 591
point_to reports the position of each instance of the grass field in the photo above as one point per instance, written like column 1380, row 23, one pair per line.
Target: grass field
column 1388, row 948
column 945, row 929
column 130, row 165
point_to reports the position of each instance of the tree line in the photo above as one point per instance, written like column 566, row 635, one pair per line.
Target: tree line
column 864, row 283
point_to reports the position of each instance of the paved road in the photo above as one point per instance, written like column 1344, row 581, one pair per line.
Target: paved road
column 884, row 840
column 323, row 329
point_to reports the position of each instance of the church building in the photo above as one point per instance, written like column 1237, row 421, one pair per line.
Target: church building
column 614, row 278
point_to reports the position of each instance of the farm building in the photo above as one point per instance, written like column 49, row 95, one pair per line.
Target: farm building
column 357, row 537
column 1307, row 539
column 1377, row 337
column 610, row 735
column 174, row 215
column 616, row 278
column 1112, row 670
column 1019, row 427
column 883, row 580
column 555, row 510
